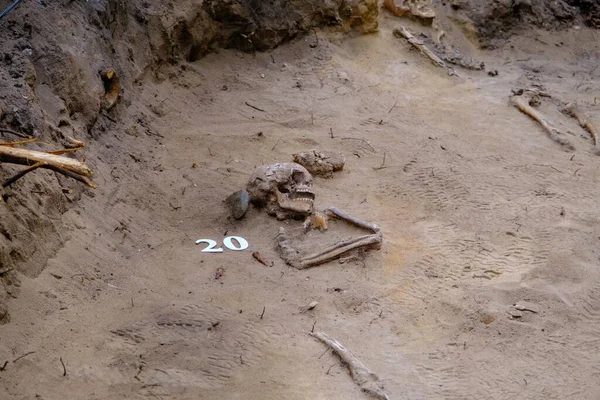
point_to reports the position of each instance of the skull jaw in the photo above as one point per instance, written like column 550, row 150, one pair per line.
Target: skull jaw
column 283, row 207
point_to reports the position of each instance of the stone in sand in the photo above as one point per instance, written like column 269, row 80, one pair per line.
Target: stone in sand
column 238, row 203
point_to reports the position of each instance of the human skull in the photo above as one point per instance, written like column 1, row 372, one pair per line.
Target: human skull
column 284, row 189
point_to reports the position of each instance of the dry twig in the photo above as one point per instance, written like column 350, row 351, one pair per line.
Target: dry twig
column 394, row 106
column 23, row 356
column 256, row 108
column 64, row 368
column 362, row 140
column 275, row 145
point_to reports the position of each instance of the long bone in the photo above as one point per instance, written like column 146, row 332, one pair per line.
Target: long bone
column 292, row 257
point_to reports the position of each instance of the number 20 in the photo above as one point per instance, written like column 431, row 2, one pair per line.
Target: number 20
column 242, row 244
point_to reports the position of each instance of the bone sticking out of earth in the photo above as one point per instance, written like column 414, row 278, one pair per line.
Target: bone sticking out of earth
column 361, row 375
column 293, row 258
column 419, row 45
column 112, row 87
column 419, row 8
column 584, row 122
column 556, row 135
column 285, row 190
column 321, row 163
column 318, row 221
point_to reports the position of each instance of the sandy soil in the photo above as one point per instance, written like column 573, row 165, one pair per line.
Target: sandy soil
column 479, row 209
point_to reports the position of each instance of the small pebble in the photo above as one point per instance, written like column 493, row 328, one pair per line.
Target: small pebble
column 515, row 314
column 312, row 305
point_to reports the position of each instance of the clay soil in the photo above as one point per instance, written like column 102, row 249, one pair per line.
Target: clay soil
column 479, row 209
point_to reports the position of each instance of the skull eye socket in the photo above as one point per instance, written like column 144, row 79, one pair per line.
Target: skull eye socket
column 298, row 176
column 283, row 189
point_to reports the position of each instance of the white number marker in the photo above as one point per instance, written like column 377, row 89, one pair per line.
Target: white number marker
column 242, row 243
column 211, row 246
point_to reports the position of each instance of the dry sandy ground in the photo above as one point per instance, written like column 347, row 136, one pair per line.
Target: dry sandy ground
column 479, row 209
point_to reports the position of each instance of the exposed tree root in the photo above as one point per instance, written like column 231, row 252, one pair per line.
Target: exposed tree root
column 19, row 143
column 20, row 174
column 52, row 160
column 33, row 156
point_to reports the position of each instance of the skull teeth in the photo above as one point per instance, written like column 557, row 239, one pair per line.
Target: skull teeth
column 301, row 195
column 303, row 199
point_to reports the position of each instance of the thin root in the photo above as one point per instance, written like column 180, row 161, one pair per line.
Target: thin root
column 19, row 134
column 20, row 174
column 19, row 143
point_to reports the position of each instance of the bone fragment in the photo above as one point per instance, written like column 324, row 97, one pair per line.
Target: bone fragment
column 362, row 376
column 406, row 34
column 554, row 134
column 340, row 248
column 320, row 163
column 423, row 10
column 585, row 122
column 316, row 221
column 290, row 255
column 334, row 212
column 293, row 258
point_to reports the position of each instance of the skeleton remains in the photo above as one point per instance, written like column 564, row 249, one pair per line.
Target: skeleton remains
column 320, row 163
column 419, row 8
column 285, row 190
